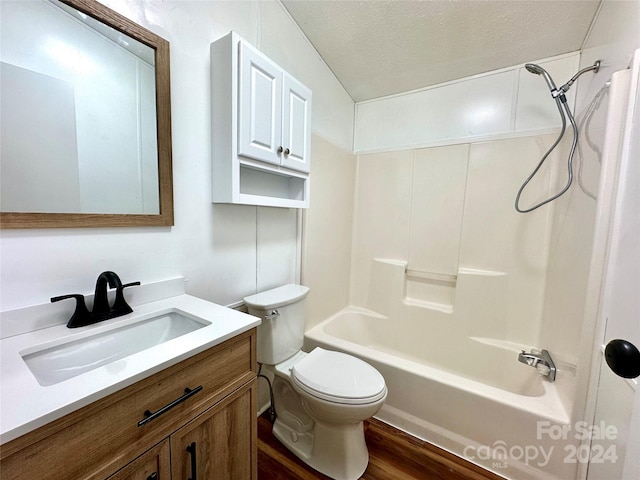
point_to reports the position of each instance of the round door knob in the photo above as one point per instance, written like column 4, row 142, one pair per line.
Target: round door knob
column 623, row 358
column 287, row 151
column 280, row 149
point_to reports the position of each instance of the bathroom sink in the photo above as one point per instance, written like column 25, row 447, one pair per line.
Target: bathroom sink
column 54, row 364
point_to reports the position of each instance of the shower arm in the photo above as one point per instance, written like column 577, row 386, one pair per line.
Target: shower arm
column 595, row 67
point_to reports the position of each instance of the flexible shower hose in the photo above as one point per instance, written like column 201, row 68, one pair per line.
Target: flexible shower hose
column 560, row 102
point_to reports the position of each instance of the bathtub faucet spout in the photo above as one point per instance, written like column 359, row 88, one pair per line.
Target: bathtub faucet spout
column 541, row 361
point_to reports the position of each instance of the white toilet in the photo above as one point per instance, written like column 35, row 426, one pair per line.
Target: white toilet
column 321, row 398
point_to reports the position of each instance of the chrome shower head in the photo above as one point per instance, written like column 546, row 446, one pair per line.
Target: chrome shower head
column 538, row 70
column 533, row 68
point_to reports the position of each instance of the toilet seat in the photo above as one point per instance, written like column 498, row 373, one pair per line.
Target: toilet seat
column 339, row 378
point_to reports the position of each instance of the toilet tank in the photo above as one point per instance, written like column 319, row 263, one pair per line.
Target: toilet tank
column 282, row 311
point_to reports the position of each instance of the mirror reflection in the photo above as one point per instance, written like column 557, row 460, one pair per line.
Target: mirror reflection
column 78, row 114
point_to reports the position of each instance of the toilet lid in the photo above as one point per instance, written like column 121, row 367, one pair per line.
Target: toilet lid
column 338, row 377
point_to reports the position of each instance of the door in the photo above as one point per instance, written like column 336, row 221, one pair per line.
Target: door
column 296, row 125
column 259, row 107
column 615, row 448
column 219, row 444
column 154, row 464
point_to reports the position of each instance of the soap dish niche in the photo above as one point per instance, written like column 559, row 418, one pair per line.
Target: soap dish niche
column 431, row 290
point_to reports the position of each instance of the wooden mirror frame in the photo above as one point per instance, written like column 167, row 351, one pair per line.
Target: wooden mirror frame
column 20, row 220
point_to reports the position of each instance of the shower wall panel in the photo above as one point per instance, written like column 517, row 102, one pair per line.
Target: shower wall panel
column 437, row 200
column 382, row 214
column 497, row 238
column 507, row 102
column 445, row 214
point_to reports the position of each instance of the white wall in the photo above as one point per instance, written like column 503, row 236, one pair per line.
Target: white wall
column 225, row 251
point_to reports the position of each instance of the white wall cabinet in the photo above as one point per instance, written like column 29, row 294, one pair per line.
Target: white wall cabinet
column 261, row 129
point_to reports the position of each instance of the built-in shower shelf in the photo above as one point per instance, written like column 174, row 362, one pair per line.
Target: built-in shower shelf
column 434, row 276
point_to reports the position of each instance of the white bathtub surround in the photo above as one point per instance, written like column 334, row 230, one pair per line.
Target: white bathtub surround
column 449, row 284
column 463, row 394
column 455, row 227
column 457, row 340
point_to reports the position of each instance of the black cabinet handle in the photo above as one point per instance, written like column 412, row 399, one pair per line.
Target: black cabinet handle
column 153, row 476
column 194, row 466
column 188, row 393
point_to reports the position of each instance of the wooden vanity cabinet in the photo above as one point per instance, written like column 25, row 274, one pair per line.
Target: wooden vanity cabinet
column 218, row 443
column 154, row 464
column 105, row 441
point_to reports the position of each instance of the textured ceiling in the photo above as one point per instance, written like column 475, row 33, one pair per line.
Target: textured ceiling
column 378, row 48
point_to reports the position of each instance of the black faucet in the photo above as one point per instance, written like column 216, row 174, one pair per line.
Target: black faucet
column 101, row 308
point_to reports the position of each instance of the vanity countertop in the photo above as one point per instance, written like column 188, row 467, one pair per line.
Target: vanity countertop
column 26, row 405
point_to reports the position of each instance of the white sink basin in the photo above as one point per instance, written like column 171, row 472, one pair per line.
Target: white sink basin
column 54, row 364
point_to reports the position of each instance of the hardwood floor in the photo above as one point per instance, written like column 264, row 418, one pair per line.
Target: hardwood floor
column 393, row 455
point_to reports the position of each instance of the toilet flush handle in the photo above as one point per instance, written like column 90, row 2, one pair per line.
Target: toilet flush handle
column 273, row 315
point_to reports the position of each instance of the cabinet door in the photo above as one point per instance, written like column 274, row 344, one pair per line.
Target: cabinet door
column 296, row 125
column 154, row 464
column 259, row 107
column 220, row 444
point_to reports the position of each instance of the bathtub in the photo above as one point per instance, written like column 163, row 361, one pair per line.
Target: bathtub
column 471, row 397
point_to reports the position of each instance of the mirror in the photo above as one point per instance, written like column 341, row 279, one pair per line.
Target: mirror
column 85, row 118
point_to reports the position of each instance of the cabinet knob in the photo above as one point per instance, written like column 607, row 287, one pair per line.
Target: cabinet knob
column 280, row 149
column 287, row 151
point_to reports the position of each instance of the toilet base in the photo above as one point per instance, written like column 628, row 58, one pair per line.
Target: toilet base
column 338, row 451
